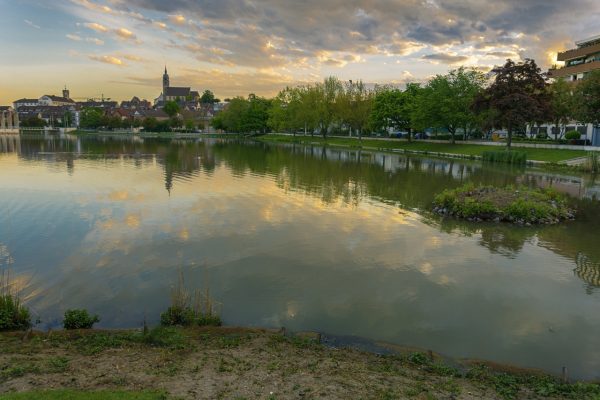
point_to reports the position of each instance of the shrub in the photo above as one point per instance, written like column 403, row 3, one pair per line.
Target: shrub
column 14, row 316
column 185, row 312
column 79, row 319
column 505, row 156
column 573, row 135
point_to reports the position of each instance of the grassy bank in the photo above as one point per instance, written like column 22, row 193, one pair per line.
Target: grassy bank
column 517, row 205
column 235, row 363
column 467, row 150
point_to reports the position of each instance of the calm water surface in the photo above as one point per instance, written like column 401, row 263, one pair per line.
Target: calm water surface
column 308, row 238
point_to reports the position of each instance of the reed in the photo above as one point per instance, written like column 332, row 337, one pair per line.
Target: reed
column 592, row 163
column 187, row 309
column 505, row 156
column 14, row 316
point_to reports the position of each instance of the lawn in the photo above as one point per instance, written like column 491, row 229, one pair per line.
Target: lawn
column 549, row 155
column 77, row 395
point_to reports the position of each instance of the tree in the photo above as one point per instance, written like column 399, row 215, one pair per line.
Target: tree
column 91, row 118
column 33, row 122
column 587, row 99
column 325, row 96
column 171, row 108
column 354, row 103
column 150, row 124
column 517, row 96
column 447, row 99
column 208, row 97
column 561, row 105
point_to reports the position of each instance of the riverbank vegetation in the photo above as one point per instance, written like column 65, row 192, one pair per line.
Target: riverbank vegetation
column 217, row 362
column 13, row 314
column 463, row 104
column 465, row 150
column 516, row 205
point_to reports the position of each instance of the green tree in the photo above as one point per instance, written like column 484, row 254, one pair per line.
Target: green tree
column 171, row 108
column 354, row 104
column 447, row 99
column 517, row 96
column 33, row 122
column 587, row 99
column 561, row 105
column 91, row 118
column 208, row 97
column 150, row 124
column 325, row 97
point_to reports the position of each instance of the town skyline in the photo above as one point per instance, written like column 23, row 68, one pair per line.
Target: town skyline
column 118, row 48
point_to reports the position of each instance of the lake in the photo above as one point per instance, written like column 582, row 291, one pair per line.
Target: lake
column 310, row 238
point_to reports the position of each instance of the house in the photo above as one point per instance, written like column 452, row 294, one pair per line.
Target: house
column 579, row 61
column 54, row 101
column 25, row 102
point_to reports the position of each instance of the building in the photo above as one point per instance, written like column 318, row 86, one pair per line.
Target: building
column 136, row 104
column 25, row 103
column 579, row 61
column 173, row 93
column 55, row 101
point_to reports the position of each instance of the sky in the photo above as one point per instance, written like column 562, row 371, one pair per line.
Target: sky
column 119, row 48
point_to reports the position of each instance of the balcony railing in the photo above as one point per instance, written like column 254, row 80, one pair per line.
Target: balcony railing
column 579, row 52
column 574, row 69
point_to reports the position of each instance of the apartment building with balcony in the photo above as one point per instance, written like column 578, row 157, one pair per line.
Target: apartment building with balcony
column 579, row 61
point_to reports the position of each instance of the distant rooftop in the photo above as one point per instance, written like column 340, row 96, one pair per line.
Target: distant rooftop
column 588, row 41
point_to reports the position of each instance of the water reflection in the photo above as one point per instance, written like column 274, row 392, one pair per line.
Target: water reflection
column 303, row 236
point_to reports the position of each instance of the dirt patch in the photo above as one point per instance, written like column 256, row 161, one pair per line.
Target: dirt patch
column 226, row 363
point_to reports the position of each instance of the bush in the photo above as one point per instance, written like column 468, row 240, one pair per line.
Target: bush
column 503, row 204
column 13, row 315
column 79, row 319
column 573, row 135
column 505, row 156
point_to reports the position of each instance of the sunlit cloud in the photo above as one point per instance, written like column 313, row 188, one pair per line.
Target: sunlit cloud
column 96, row 27
column 108, row 60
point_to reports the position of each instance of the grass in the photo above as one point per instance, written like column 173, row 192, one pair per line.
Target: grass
column 227, row 355
column 521, row 205
column 504, row 156
column 467, row 150
column 13, row 314
column 79, row 395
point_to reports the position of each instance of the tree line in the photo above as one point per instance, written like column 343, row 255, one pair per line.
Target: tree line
column 463, row 101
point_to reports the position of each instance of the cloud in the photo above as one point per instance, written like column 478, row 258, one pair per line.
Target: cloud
column 108, row 60
column 177, row 19
column 73, row 37
column 78, row 38
column 28, row 22
column 445, row 58
column 96, row 27
column 125, row 34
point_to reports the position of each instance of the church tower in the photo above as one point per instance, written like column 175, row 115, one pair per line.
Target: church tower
column 66, row 93
column 165, row 81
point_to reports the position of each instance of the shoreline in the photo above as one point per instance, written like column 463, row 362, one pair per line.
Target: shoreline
column 234, row 362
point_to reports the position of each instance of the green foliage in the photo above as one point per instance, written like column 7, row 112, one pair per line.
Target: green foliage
column 504, row 204
column 14, row 316
column 593, row 162
column 91, row 118
column 185, row 311
column 573, row 135
column 242, row 115
column 505, row 156
column 79, row 395
column 167, row 337
column 587, row 99
column 171, row 108
column 33, row 122
column 79, row 319
column 208, row 97
column 446, row 100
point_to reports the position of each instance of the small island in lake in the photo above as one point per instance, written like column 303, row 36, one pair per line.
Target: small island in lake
column 522, row 205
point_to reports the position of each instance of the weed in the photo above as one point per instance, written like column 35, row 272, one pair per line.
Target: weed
column 79, row 319
column 58, row 364
column 505, row 156
column 13, row 315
